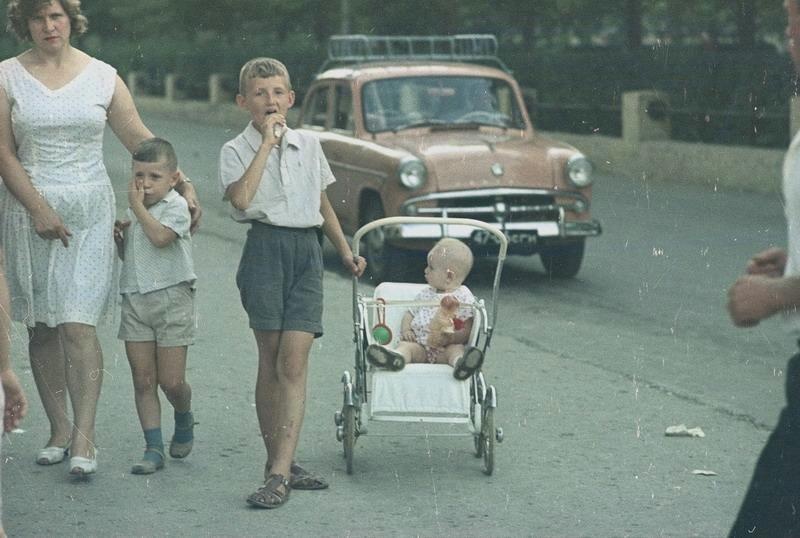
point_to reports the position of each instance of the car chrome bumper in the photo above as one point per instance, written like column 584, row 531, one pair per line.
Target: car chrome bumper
column 555, row 230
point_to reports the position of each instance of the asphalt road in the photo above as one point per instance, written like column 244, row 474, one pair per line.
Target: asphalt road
column 590, row 372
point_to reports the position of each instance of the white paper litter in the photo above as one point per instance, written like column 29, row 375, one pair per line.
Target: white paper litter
column 704, row 472
column 682, row 431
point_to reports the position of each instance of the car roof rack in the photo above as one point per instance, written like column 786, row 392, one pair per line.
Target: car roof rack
column 454, row 48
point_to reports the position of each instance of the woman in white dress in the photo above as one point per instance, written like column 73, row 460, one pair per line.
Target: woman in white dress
column 57, row 223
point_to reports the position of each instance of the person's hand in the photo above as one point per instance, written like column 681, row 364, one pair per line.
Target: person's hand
column 407, row 336
column 119, row 231
column 189, row 193
column 48, row 225
column 355, row 265
column 752, row 298
column 273, row 124
column 135, row 193
column 770, row 262
column 16, row 404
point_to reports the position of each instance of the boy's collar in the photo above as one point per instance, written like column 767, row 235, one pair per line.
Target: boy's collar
column 171, row 195
column 254, row 138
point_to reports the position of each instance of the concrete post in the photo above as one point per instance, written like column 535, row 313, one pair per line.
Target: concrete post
column 170, row 87
column 133, row 83
column 215, row 92
column 645, row 116
column 794, row 115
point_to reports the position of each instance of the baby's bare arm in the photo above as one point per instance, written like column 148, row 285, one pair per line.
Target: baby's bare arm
column 406, row 333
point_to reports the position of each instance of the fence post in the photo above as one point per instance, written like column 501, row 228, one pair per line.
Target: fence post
column 133, row 83
column 645, row 116
column 170, row 87
column 215, row 92
column 794, row 115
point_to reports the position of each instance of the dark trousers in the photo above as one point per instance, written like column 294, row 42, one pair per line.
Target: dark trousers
column 771, row 507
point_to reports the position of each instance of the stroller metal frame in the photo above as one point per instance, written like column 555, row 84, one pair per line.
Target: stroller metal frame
column 478, row 399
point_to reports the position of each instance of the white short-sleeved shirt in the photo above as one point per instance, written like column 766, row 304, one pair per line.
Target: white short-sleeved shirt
column 147, row 267
column 791, row 196
column 422, row 315
column 294, row 178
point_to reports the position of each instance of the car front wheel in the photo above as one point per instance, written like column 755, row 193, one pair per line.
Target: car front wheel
column 563, row 260
column 384, row 262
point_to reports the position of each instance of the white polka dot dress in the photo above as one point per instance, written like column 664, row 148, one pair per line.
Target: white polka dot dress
column 59, row 137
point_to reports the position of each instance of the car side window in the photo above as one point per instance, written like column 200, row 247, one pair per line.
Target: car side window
column 343, row 118
column 318, row 108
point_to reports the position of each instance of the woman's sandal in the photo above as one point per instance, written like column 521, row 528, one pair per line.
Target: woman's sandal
column 50, row 455
column 147, row 466
column 270, row 495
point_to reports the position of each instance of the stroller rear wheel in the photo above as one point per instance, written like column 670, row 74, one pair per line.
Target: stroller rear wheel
column 349, row 435
column 487, row 440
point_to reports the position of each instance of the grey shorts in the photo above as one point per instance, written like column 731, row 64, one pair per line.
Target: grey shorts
column 280, row 279
column 166, row 317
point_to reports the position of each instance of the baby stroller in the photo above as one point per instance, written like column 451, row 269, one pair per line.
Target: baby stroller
column 419, row 393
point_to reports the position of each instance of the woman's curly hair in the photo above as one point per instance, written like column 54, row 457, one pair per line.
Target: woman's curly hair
column 21, row 11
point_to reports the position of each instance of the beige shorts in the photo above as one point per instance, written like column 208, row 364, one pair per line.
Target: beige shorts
column 166, row 317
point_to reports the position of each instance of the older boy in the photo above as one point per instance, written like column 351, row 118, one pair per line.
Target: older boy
column 157, row 286
column 771, row 506
column 275, row 178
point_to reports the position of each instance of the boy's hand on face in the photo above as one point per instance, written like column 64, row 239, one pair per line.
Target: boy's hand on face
column 136, row 193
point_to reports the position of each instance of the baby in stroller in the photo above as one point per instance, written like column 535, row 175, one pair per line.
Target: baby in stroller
column 426, row 334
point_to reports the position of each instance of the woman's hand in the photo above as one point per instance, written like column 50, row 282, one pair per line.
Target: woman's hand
column 16, row 404
column 186, row 189
column 48, row 225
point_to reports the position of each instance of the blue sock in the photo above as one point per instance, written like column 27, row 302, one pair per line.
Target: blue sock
column 153, row 439
column 184, row 426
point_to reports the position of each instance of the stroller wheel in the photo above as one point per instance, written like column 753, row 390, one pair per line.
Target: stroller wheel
column 349, row 436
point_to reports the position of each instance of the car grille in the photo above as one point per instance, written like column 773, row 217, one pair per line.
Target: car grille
column 491, row 207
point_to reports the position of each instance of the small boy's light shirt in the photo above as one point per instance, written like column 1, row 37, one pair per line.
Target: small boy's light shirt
column 293, row 180
column 147, row 267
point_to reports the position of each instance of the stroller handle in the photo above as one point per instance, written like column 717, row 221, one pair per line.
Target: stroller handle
column 444, row 222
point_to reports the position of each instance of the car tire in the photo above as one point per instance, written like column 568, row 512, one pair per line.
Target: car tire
column 384, row 262
column 563, row 260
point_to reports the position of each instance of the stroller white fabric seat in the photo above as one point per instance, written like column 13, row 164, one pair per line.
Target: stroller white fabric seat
column 427, row 391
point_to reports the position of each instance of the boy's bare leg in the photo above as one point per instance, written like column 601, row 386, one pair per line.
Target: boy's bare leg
column 84, row 360
column 172, row 377
column 142, row 359
column 50, row 374
column 281, row 393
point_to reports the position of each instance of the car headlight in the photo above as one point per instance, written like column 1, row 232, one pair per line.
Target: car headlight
column 579, row 171
column 412, row 172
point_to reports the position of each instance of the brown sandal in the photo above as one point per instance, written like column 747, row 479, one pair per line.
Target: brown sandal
column 269, row 495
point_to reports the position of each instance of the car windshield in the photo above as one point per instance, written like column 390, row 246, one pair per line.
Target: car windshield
column 440, row 102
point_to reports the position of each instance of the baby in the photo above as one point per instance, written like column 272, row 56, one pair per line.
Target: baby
column 449, row 263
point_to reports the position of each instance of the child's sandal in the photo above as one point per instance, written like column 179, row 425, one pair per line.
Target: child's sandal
column 147, row 466
column 270, row 495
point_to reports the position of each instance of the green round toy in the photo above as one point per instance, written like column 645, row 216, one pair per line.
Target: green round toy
column 381, row 334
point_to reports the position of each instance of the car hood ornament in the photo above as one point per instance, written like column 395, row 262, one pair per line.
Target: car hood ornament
column 497, row 169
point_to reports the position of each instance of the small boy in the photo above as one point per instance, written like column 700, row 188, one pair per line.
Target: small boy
column 157, row 286
column 275, row 179
column 449, row 263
